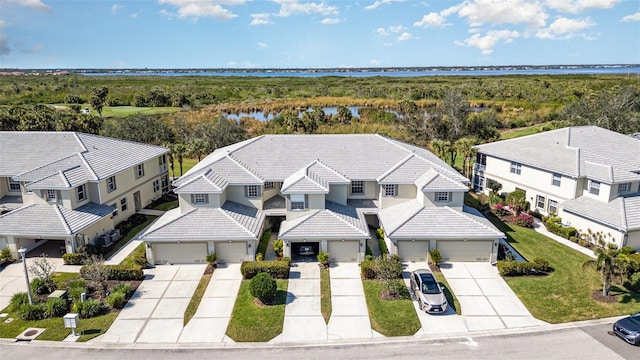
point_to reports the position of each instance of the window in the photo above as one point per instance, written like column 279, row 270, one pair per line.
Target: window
column 357, row 187
column 200, row 199
column 111, row 184
column 557, row 179
column 13, row 185
column 623, row 188
column 481, row 159
column 298, row 202
column 553, row 207
column 443, row 196
column 165, row 184
column 51, row 195
column 540, row 200
column 594, row 187
column 390, row 189
column 123, row 204
column 139, row 171
column 82, row 193
column 252, row 191
column 269, row 185
column 162, row 162
column 156, row 185
column 115, row 212
column 516, row 168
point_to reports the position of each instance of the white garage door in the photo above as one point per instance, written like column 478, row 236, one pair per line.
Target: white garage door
column 465, row 250
column 231, row 252
column 633, row 240
column 184, row 253
column 344, row 251
column 413, row 250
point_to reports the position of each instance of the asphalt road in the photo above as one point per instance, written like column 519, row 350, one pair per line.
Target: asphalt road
column 589, row 342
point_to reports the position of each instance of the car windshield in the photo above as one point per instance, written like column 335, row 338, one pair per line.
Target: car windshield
column 635, row 318
column 429, row 284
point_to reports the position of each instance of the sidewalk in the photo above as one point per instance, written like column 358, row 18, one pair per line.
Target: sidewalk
column 124, row 251
column 539, row 227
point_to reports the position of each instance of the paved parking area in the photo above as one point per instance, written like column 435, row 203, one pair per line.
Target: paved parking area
column 155, row 312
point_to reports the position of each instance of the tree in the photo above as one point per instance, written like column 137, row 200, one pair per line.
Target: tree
column 344, row 115
column 43, row 269
column 149, row 129
column 95, row 270
column 179, row 151
column 99, row 99
column 197, row 148
column 614, row 109
column 440, row 147
column 451, row 123
column 171, row 160
column 263, row 287
column 388, row 271
column 465, row 148
column 612, row 264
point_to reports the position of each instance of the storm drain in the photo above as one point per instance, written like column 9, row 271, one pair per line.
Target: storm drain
column 30, row 334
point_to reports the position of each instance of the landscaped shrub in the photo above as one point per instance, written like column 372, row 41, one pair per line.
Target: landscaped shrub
column 584, row 243
column 634, row 282
column 88, row 309
column 371, row 269
column 553, row 225
column 5, row 255
column 574, row 239
column 259, row 257
column 517, row 200
column 381, row 244
column 212, row 258
column 263, row 287
column 628, row 250
column 264, row 242
column 139, row 256
column 124, row 273
column 56, row 308
column 279, row 269
column 524, row 220
column 501, row 209
column 17, row 300
column 518, row 268
column 73, row 259
column 323, row 258
column 41, row 286
column 278, row 245
column 124, row 288
column 116, row 300
column 76, row 288
column 435, row 256
column 32, row 312
column 367, row 269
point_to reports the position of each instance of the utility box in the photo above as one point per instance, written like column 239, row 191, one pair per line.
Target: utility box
column 71, row 320
column 58, row 294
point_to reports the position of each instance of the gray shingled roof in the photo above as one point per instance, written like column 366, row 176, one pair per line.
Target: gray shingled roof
column 581, row 151
column 335, row 222
column 32, row 156
column 232, row 221
column 51, row 220
column 620, row 213
column 410, row 220
column 434, row 181
column 314, row 178
column 221, row 172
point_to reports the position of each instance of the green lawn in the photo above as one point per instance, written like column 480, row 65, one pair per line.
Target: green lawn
column 166, row 206
column 565, row 294
column 119, row 111
column 252, row 323
column 196, row 298
column 452, row 300
column 325, row 294
column 187, row 164
column 523, row 131
column 60, row 278
column 390, row 317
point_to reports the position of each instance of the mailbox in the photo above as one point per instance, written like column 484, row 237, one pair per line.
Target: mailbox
column 72, row 321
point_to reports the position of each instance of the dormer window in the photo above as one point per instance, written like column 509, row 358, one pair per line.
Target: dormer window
column 50, row 195
column 252, row 191
column 269, row 185
column 390, row 189
column 594, row 187
column 298, row 201
column 443, row 196
column 623, row 188
column 200, row 199
column 357, row 187
column 13, row 185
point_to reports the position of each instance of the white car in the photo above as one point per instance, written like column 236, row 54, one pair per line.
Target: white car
column 428, row 292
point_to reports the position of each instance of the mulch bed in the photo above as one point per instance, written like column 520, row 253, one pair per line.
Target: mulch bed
column 209, row 269
column 598, row 296
column 434, row 268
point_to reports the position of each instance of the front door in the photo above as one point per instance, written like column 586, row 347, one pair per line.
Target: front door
column 137, row 201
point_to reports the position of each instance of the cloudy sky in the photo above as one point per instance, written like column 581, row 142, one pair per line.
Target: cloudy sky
column 318, row 33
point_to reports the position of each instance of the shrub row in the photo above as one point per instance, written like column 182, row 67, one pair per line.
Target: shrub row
column 517, row 268
column 278, row 269
column 38, row 311
column 553, row 225
column 120, row 272
column 524, row 220
column 73, row 259
column 369, row 267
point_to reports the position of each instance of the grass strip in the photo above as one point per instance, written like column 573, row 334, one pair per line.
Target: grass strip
column 196, row 298
column 325, row 294
column 390, row 317
column 452, row 300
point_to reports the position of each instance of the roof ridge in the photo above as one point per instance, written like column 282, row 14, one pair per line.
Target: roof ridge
column 395, row 166
column 322, row 163
column 18, row 209
column 169, row 222
column 623, row 200
column 226, row 212
column 301, row 220
column 244, row 167
column 341, row 218
column 75, row 134
column 63, row 218
column 93, row 173
column 471, row 218
column 420, row 208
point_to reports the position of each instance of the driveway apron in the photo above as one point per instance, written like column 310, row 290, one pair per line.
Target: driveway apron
column 209, row 323
column 155, row 312
column 349, row 314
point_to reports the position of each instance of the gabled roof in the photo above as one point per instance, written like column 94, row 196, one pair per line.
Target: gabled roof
column 334, row 222
column 580, row 151
column 433, row 181
column 203, row 183
column 621, row 213
column 314, row 178
column 232, row 221
column 410, row 220
column 221, row 172
column 51, row 220
column 79, row 157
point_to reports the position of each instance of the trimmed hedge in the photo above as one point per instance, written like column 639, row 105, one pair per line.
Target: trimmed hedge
column 73, row 259
column 553, row 225
column 120, row 272
column 517, row 268
column 263, row 286
column 368, row 268
column 278, row 269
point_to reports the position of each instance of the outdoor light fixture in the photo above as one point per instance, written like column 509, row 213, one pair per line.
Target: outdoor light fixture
column 23, row 252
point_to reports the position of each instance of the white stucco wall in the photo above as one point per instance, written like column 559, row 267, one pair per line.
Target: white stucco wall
column 405, row 193
column 338, row 194
column 583, row 225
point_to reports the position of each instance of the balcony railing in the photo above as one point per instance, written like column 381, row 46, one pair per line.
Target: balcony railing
column 163, row 168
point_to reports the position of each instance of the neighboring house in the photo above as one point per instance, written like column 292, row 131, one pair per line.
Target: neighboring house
column 588, row 176
column 324, row 191
column 73, row 187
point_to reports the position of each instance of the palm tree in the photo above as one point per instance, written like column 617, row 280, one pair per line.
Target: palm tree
column 179, row 152
column 198, row 147
column 612, row 264
column 465, row 148
column 170, row 155
column 440, row 147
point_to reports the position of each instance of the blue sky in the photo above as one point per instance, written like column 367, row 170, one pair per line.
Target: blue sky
column 301, row 34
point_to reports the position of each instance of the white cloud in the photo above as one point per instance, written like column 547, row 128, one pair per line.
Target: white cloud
column 203, row 8
column 260, row 19
column 576, row 6
column 33, row 4
column 432, row 20
column 382, row 32
column 4, row 45
column 489, row 40
column 632, row 17
column 330, row 21
column 396, row 29
column 374, row 62
column 262, row 45
column 293, row 7
column 494, row 12
column 115, row 8
column 133, row 15
column 404, row 36
column 377, row 4
column 564, row 28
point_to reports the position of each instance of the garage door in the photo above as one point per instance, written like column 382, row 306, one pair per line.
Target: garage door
column 633, row 240
column 184, row 253
column 231, row 252
column 465, row 250
column 344, row 251
column 413, row 250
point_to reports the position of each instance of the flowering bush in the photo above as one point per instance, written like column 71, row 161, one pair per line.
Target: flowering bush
column 524, row 220
column 501, row 209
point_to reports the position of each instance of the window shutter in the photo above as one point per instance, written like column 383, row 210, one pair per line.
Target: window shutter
column 193, row 198
column 395, row 190
column 259, row 191
column 306, row 201
column 246, row 191
column 206, row 198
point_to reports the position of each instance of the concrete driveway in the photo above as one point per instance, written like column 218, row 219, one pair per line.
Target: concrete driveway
column 155, row 312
